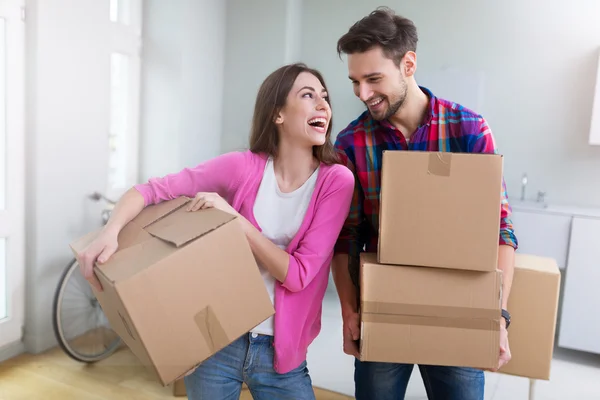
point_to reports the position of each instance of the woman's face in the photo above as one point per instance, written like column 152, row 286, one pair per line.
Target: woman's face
column 305, row 118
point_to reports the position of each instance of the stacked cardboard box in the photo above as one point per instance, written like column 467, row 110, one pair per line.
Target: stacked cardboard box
column 533, row 304
column 181, row 286
column 432, row 293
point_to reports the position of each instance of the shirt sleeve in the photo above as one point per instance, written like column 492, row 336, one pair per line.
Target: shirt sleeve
column 219, row 175
column 352, row 240
column 485, row 143
column 317, row 244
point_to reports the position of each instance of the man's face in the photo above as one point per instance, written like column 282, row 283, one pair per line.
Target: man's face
column 377, row 82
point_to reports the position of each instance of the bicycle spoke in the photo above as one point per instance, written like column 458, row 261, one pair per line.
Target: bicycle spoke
column 81, row 285
column 81, row 327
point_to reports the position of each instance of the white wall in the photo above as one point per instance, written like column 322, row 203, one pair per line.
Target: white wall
column 261, row 36
column 538, row 66
column 67, row 146
column 182, row 81
column 68, row 116
column 535, row 74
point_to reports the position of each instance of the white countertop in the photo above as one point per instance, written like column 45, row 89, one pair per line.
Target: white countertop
column 575, row 211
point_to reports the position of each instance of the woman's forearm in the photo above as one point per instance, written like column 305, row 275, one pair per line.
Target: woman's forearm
column 271, row 257
column 126, row 209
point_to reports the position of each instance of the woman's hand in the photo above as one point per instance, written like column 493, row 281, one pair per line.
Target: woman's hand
column 267, row 253
column 205, row 200
column 101, row 249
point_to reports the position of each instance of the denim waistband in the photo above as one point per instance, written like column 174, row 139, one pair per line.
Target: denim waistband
column 257, row 337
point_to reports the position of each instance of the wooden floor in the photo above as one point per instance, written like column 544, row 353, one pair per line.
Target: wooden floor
column 54, row 376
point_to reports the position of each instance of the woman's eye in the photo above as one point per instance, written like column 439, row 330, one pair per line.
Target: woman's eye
column 309, row 94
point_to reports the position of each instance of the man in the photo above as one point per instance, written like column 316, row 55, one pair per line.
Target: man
column 401, row 116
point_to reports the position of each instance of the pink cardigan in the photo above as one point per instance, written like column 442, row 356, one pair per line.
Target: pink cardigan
column 236, row 176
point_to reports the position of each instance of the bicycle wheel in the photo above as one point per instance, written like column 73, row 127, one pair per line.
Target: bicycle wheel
column 80, row 326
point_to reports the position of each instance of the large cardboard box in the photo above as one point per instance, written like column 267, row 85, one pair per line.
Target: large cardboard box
column 182, row 286
column 533, row 304
column 440, row 209
column 429, row 316
column 179, row 389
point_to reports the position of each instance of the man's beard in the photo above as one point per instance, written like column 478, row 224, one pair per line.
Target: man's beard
column 393, row 107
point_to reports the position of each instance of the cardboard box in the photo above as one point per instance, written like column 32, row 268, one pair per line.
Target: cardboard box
column 179, row 389
column 440, row 209
column 182, row 286
column 433, row 316
column 533, row 305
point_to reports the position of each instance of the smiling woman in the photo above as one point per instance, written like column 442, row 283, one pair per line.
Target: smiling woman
column 291, row 197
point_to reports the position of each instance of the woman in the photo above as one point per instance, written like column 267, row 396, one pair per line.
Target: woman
column 292, row 198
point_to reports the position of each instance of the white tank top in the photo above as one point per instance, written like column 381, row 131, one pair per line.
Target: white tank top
column 279, row 216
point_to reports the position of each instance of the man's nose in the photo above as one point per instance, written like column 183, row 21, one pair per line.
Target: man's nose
column 364, row 92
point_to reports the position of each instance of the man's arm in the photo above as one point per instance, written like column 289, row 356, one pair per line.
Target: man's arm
column 345, row 264
column 485, row 143
column 508, row 245
column 346, row 290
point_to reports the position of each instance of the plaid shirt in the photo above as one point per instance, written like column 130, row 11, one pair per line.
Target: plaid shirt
column 448, row 127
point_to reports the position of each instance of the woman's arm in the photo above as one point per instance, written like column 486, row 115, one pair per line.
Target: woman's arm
column 105, row 244
column 218, row 175
column 295, row 271
column 126, row 209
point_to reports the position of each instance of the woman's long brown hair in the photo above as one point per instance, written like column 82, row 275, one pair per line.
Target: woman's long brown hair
column 271, row 97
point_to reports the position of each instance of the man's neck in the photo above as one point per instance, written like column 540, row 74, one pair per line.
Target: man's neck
column 410, row 116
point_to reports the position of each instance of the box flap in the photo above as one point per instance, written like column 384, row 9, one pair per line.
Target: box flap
column 155, row 212
column 536, row 263
column 127, row 262
column 183, row 226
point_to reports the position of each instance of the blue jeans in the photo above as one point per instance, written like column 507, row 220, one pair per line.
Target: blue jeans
column 387, row 381
column 249, row 359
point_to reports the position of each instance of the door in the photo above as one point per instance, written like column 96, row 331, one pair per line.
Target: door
column 12, row 176
column 580, row 319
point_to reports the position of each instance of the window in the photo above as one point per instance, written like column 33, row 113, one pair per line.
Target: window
column 125, row 16
column 12, row 177
column 120, row 11
column 2, row 116
column 595, row 122
column 3, row 283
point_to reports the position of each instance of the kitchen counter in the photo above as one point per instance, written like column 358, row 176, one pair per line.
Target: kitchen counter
column 574, row 211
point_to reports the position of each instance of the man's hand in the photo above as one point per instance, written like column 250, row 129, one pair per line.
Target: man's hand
column 505, row 355
column 351, row 334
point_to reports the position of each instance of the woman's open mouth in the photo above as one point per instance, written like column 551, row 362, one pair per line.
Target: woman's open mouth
column 319, row 124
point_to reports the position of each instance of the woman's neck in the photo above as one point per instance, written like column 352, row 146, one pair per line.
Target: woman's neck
column 293, row 166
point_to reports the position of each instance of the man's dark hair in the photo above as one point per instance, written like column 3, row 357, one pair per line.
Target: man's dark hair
column 395, row 34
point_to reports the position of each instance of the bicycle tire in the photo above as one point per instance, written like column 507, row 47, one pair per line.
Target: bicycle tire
column 71, row 268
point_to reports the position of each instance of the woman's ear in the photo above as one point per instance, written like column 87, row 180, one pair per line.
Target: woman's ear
column 278, row 119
